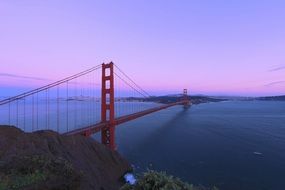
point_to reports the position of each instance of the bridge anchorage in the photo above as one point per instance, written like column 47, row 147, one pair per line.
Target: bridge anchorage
column 60, row 106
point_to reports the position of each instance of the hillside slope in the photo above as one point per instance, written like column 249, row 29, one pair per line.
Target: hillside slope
column 47, row 160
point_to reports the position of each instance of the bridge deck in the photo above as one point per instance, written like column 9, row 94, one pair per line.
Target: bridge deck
column 99, row 126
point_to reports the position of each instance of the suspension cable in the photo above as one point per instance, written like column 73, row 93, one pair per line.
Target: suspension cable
column 130, row 85
column 147, row 94
column 23, row 95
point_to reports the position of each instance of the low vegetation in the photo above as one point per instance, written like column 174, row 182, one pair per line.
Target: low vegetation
column 153, row 180
column 30, row 172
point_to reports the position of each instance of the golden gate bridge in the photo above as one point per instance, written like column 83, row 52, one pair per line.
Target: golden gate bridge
column 94, row 100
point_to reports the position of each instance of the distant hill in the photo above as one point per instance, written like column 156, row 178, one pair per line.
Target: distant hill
column 270, row 98
column 194, row 99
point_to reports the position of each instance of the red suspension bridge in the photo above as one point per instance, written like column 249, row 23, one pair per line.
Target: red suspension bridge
column 95, row 100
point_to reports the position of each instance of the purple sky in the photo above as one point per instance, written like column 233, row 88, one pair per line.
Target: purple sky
column 213, row 47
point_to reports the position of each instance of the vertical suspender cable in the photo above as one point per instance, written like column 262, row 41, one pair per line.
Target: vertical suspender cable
column 57, row 108
column 75, row 104
column 37, row 111
column 48, row 108
column 33, row 112
column 9, row 113
column 67, row 106
column 93, row 99
column 24, row 114
column 17, row 112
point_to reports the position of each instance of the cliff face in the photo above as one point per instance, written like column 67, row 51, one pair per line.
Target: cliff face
column 47, row 160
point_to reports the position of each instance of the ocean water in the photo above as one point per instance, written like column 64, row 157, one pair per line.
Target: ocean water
column 234, row 145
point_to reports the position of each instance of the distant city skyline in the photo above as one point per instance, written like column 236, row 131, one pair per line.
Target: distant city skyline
column 233, row 48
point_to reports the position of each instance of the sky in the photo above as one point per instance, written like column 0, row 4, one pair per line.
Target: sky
column 211, row 47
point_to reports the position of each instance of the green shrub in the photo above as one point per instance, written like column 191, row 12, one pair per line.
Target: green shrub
column 35, row 170
column 153, row 180
column 18, row 181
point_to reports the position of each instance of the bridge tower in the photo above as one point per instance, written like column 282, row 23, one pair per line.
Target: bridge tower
column 186, row 99
column 107, row 105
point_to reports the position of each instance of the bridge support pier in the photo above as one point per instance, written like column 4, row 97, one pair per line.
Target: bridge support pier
column 108, row 106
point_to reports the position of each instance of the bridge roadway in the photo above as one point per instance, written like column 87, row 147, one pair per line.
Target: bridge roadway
column 87, row 131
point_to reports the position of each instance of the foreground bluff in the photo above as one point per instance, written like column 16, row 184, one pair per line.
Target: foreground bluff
column 47, row 160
